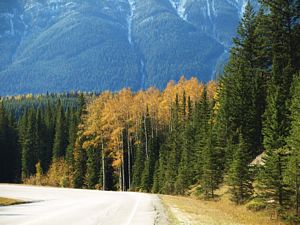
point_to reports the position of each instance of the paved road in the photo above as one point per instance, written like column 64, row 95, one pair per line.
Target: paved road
column 57, row 206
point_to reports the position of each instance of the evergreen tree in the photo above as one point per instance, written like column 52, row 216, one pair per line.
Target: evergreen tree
column 146, row 177
column 29, row 143
column 14, row 159
column 212, row 169
column 138, row 167
column 5, row 162
column 173, row 147
column 49, row 121
column 140, row 155
column 201, row 127
column 271, row 177
column 44, row 155
column 240, row 177
column 92, row 168
column 156, row 180
column 79, row 154
column 184, row 177
column 60, row 139
column 73, row 123
column 241, row 98
column 79, row 165
column 292, row 175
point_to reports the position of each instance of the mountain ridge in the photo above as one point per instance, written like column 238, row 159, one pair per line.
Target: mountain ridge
column 65, row 45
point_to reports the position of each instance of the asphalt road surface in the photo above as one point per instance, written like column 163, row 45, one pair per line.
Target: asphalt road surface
column 62, row 206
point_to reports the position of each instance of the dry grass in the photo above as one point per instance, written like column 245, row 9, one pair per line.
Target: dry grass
column 8, row 201
column 189, row 210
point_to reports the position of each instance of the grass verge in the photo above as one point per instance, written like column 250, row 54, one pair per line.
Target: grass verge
column 190, row 210
column 9, row 201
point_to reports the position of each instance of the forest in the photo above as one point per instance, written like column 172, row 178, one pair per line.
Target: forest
column 242, row 130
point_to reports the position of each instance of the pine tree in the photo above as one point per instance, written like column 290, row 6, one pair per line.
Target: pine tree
column 44, row 155
column 79, row 165
column 292, row 175
column 92, row 168
column 241, row 99
column 4, row 151
column 184, row 177
column 29, row 143
column 138, row 167
column 156, row 180
column 49, row 121
column 240, row 176
column 71, row 137
column 140, row 156
column 79, row 154
column 274, row 130
column 202, row 128
column 146, row 177
column 173, row 146
column 212, row 169
column 60, row 139
column 14, row 160
column 283, row 16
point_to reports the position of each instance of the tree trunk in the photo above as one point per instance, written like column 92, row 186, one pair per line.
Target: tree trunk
column 129, row 160
column 103, row 168
column 146, row 137
column 123, row 166
column 120, row 177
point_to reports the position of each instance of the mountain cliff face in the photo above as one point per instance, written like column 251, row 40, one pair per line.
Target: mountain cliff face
column 93, row 45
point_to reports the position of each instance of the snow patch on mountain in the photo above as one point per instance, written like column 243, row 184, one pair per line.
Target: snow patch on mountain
column 180, row 7
column 130, row 19
column 214, row 7
column 8, row 19
column 240, row 5
column 208, row 9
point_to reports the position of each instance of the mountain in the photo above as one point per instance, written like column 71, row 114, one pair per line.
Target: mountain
column 94, row 45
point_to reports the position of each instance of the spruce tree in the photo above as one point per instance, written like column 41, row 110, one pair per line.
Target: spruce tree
column 274, row 130
column 184, row 177
column 156, row 179
column 49, row 121
column 138, row 167
column 241, row 99
column 92, row 168
column 173, row 147
column 4, row 150
column 139, row 157
column 72, row 130
column 60, row 139
column 146, row 177
column 240, row 177
column 29, row 143
column 212, row 168
column 292, row 175
column 44, row 155
column 79, row 154
column 79, row 166
column 202, row 128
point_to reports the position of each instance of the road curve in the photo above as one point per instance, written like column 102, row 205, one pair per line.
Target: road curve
column 64, row 206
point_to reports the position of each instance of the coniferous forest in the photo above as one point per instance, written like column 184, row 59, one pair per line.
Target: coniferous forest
column 242, row 130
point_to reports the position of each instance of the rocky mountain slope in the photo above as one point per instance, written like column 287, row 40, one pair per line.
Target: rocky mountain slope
column 93, row 45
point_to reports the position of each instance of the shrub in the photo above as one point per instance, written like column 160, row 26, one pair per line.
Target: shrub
column 256, row 205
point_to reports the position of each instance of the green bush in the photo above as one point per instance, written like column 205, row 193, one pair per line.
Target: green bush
column 256, row 205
